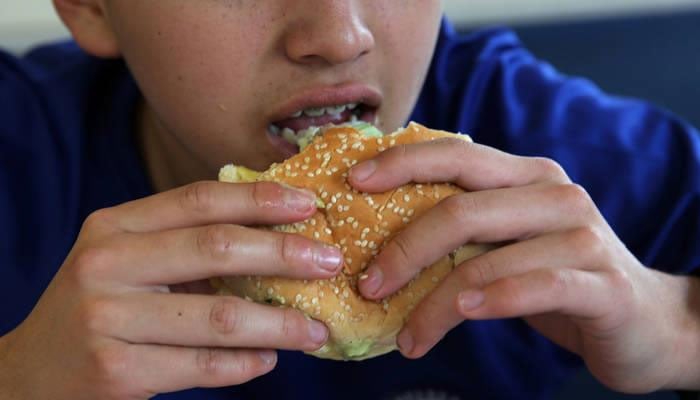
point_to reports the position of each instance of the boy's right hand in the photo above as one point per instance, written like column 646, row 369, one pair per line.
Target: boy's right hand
column 108, row 325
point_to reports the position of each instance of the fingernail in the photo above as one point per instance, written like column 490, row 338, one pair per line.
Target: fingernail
column 363, row 171
column 299, row 199
column 405, row 342
column 268, row 356
column 470, row 299
column 373, row 282
column 317, row 332
column 327, row 257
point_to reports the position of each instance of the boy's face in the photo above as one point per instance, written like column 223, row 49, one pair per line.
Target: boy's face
column 219, row 75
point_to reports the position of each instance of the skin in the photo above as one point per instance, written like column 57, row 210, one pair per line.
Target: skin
column 209, row 91
column 117, row 302
column 563, row 270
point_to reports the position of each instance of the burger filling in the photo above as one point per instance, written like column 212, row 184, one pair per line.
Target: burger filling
column 301, row 127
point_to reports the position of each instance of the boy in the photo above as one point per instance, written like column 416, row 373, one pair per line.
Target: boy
column 104, row 178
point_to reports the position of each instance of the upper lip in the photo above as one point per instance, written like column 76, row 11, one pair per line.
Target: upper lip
column 326, row 96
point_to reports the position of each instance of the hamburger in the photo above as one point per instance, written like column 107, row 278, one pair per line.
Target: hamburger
column 360, row 224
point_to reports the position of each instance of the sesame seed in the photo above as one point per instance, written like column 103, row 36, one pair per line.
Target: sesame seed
column 305, row 305
column 318, row 171
column 327, row 231
column 270, row 291
column 363, row 277
column 355, row 225
column 248, row 298
column 380, row 141
column 406, row 220
column 349, row 260
column 381, row 148
column 392, row 142
column 349, row 197
column 314, row 300
column 340, row 208
column 340, row 223
column 288, row 167
column 304, row 167
column 411, row 212
column 434, row 279
column 390, row 206
column 346, row 293
column 358, row 243
column 316, row 235
column 297, row 298
column 343, row 241
column 306, row 160
column 310, row 174
column 348, row 308
column 312, row 222
column 324, row 195
column 346, row 208
column 336, row 290
column 406, row 198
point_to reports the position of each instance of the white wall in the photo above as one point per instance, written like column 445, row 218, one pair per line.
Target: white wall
column 26, row 22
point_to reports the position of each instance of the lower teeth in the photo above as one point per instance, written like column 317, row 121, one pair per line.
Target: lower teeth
column 303, row 137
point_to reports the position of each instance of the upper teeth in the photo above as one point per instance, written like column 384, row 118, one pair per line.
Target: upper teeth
column 319, row 111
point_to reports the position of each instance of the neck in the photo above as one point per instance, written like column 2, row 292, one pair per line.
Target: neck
column 168, row 162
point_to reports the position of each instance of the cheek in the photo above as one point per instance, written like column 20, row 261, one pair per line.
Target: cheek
column 190, row 60
column 407, row 44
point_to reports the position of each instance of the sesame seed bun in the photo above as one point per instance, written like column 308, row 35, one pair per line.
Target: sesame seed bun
column 360, row 225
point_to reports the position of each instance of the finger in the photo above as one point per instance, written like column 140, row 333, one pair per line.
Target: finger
column 436, row 314
column 207, row 321
column 480, row 217
column 204, row 203
column 471, row 166
column 185, row 255
column 154, row 369
column 575, row 293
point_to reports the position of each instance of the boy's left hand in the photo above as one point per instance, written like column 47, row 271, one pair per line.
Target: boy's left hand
column 564, row 269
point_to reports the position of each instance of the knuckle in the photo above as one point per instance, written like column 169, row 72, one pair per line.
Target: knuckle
column 459, row 207
column 98, row 315
column 587, row 240
column 197, row 197
column 215, row 241
column 558, row 281
column 211, row 362
column 400, row 250
column 289, row 249
column 622, row 283
column 574, row 197
column 479, row 271
column 111, row 364
column 88, row 264
column 100, row 219
column 549, row 168
column 225, row 316
column 292, row 324
column 265, row 195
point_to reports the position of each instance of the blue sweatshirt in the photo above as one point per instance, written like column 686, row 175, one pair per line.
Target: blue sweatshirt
column 67, row 149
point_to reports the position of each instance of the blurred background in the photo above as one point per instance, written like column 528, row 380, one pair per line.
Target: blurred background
column 642, row 48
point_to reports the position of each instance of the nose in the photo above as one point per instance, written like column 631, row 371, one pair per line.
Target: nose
column 327, row 32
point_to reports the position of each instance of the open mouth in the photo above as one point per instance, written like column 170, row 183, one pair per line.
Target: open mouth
column 297, row 130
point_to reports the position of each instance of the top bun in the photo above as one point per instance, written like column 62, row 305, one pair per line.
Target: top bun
column 360, row 224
